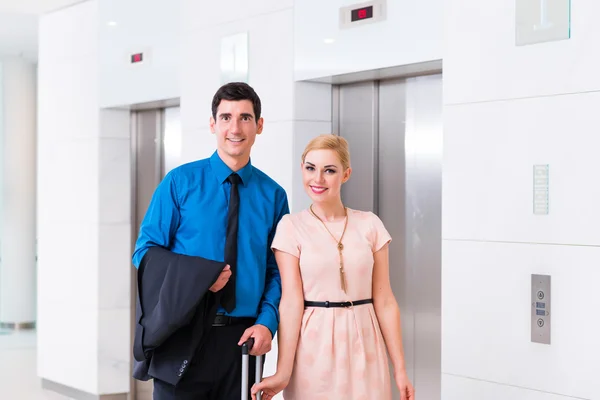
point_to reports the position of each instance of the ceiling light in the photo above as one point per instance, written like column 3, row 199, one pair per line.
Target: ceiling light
column 328, row 41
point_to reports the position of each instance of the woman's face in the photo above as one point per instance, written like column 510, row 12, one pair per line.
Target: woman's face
column 323, row 175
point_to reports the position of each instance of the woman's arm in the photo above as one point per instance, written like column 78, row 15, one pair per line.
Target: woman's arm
column 291, row 309
column 387, row 310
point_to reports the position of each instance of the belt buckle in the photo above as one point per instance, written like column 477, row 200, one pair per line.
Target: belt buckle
column 351, row 304
column 220, row 320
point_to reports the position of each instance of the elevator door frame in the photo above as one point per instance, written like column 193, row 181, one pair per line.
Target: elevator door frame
column 421, row 311
column 143, row 122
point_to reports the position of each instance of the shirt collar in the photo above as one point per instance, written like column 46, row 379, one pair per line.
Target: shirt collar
column 222, row 171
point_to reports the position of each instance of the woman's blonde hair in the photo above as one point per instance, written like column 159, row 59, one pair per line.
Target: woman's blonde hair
column 330, row 142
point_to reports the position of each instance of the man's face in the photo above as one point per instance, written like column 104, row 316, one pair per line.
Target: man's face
column 236, row 129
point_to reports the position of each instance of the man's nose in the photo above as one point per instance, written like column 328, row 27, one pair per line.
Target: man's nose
column 234, row 127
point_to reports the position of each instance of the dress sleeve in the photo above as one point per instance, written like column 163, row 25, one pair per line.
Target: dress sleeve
column 285, row 237
column 379, row 235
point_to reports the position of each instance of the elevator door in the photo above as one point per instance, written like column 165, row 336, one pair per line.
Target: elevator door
column 394, row 129
column 156, row 149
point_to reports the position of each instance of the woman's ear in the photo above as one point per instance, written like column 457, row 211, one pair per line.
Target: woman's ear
column 347, row 174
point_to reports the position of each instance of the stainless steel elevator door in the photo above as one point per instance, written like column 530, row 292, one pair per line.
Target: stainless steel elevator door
column 147, row 131
column 357, row 103
column 156, row 149
column 147, row 171
column 423, row 153
column 395, row 135
column 392, row 207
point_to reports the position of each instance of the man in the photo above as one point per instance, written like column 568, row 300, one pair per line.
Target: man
column 219, row 209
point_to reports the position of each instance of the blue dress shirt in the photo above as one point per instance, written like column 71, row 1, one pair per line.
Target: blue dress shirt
column 188, row 215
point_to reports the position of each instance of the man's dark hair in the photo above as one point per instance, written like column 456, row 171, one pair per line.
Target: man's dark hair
column 236, row 91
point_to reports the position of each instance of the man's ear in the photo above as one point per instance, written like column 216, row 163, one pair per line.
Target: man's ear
column 259, row 124
column 211, row 123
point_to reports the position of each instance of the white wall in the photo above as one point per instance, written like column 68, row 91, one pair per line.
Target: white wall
column 133, row 26
column 506, row 109
column 412, row 33
column 288, row 107
column 17, row 190
column 83, row 213
column 18, row 35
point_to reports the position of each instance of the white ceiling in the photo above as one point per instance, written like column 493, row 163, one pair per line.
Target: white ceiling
column 34, row 6
column 19, row 25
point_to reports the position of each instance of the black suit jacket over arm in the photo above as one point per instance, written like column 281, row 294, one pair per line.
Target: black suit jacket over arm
column 173, row 312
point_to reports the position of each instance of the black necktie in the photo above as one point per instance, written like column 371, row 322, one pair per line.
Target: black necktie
column 228, row 297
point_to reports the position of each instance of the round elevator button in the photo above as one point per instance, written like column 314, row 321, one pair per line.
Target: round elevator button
column 540, row 295
column 540, row 322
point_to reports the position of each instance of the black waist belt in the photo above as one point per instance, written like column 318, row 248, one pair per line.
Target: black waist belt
column 344, row 304
column 225, row 320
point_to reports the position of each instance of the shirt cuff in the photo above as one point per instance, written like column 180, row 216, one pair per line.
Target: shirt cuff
column 268, row 321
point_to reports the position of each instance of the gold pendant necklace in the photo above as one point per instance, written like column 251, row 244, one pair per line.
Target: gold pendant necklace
column 340, row 246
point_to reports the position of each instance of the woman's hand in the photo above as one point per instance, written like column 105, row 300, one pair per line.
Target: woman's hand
column 407, row 391
column 269, row 387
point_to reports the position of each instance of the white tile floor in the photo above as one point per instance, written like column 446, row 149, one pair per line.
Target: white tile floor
column 18, row 369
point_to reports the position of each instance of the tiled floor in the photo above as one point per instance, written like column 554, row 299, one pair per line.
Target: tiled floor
column 18, row 370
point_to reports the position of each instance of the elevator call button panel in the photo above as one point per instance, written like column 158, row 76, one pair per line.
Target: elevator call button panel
column 540, row 309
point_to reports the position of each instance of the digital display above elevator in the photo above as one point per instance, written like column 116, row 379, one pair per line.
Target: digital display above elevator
column 359, row 14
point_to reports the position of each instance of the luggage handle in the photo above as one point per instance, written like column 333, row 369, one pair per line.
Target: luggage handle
column 246, row 347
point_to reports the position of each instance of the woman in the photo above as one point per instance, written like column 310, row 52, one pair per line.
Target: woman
column 338, row 312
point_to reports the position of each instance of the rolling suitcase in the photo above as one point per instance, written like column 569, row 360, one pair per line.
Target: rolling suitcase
column 246, row 347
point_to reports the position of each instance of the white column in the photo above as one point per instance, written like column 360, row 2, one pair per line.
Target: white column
column 18, row 192
column 83, row 214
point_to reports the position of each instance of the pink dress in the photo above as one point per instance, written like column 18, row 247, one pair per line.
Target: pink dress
column 341, row 353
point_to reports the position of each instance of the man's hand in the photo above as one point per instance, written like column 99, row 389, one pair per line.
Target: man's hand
column 262, row 339
column 221, row 280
